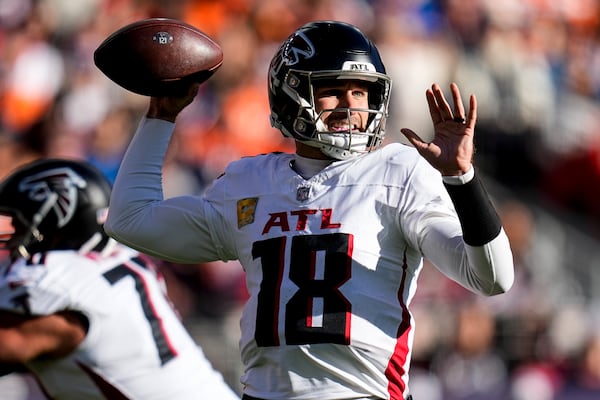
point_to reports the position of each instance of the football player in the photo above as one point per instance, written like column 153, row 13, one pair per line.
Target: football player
column 86, row 315
column 332, row 238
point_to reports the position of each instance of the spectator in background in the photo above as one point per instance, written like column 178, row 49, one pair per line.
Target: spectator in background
column 495, row 58
column 108, row 141
column 15, row 151
column 34, row 74
column 572, row 185
column 582, row 381
column 471, row 369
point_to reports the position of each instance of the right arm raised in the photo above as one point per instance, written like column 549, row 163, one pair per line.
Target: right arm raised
column 175, row 229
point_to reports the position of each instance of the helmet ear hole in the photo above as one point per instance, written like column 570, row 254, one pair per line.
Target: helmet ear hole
column 293, row 81
column 300, row 127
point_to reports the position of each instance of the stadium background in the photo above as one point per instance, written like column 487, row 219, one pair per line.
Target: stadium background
column 535, row 67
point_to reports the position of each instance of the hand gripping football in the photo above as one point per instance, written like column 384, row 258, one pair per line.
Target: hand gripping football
column 158, row 56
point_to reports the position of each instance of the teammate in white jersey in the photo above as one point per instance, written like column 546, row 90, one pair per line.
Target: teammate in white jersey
column 86, row 315
column 332, row 237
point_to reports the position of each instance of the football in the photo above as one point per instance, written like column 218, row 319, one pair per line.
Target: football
column 158, row 56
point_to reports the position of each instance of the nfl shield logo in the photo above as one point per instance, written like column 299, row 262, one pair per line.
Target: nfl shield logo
column 303, row 193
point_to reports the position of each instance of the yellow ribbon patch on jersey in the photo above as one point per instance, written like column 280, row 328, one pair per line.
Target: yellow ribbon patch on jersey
column 245, row 211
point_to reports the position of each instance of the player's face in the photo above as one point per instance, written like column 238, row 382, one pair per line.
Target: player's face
column 7, row 231
column 343, row 94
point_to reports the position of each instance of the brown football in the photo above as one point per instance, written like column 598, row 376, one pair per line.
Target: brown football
column 158, row 56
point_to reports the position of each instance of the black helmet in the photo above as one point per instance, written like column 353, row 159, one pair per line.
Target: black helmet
column 54, row 204
column 327, row 50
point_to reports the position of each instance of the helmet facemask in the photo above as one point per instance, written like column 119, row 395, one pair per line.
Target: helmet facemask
column 19, row 235
column 311, row 128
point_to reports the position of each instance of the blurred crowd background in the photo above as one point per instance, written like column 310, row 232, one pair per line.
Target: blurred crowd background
column 535, row 68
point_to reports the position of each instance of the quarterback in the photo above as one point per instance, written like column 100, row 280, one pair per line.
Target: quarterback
column 332, row 238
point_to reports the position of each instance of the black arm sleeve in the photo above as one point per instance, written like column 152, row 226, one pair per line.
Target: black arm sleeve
column 477, row 215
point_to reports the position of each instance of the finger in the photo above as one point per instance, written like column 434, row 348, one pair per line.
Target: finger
column 434, row 110
column 459, row 108
column 413, row 138
column 472, row 112
column 443, row 106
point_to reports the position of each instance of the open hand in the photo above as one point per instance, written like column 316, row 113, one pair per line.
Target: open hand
column 451, row 150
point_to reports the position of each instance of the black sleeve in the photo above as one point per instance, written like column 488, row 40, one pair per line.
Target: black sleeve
column 478, row 217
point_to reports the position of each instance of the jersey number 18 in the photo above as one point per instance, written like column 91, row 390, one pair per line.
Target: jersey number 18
column 317, row 312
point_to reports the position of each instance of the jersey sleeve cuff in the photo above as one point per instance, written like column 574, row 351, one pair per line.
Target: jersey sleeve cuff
column 460, row 179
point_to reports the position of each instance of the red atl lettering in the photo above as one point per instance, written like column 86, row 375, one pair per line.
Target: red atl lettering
column 277, row 219
column 326, row 219
column 302, row 218
column 280, row 219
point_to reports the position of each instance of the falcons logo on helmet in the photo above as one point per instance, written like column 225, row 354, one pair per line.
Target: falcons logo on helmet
column 298, row 47
column 63, row 182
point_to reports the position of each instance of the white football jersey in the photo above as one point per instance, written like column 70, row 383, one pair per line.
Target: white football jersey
column 331, row 262
column 135, row 347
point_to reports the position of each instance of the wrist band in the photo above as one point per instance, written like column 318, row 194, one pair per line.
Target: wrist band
column 478, row 217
